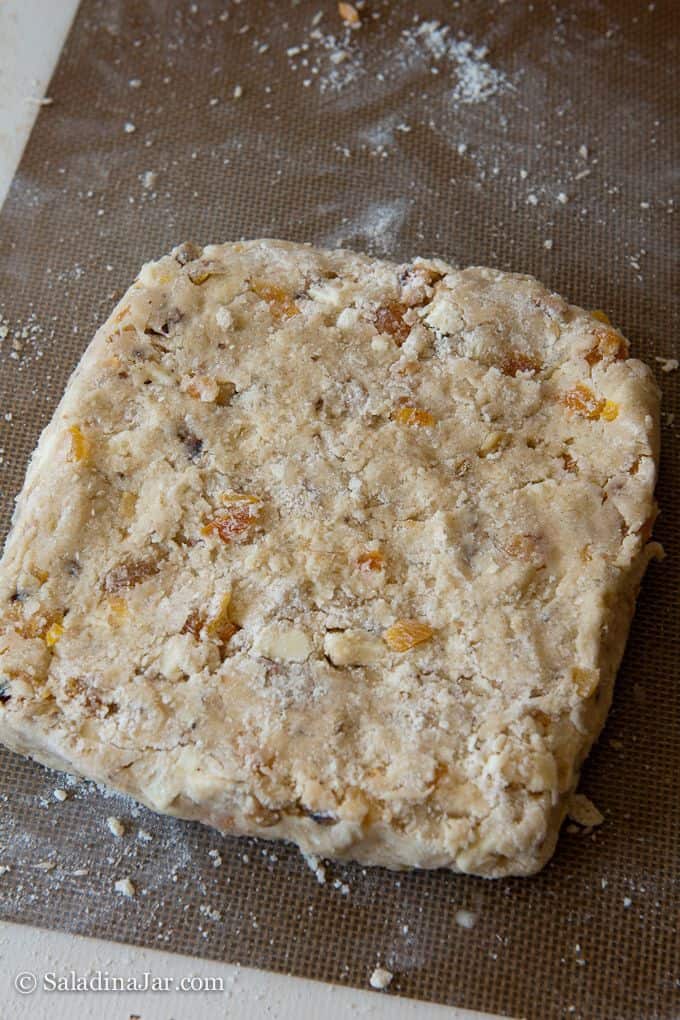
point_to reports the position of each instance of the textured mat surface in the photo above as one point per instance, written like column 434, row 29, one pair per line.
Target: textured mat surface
column 528, row 137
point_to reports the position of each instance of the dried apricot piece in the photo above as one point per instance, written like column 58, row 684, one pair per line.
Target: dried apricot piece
column 193, row 624
column 406, row 634
column 414, row 416
column 389, row 319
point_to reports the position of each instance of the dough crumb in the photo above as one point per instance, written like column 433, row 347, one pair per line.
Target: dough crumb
column 668, row 364
column 125, row 887
column 315, row 865
column 115, row 826
column 60, row 795
column 582, row 810
column 466, row 919
column 216, row 858
column 381, row 978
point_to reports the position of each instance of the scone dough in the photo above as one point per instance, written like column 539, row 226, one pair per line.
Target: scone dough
column 321, row 548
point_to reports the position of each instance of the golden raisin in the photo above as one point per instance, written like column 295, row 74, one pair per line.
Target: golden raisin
column 516, row 361
column 199, row 275
column 220, row 626
column 610, row 411
column 389, row 319
column 406, row 634
column 586, row 681
column 53, row 633
column 414, row 416
column 239, row 513
column 349, row 14
column 281, row 305
column 370, row 561
column 609, row 345
column 79, row 447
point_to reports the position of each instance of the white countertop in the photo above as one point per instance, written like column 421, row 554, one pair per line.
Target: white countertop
column 32, row 33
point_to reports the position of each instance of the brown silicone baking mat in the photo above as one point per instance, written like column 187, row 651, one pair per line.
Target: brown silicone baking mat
column 531, row 137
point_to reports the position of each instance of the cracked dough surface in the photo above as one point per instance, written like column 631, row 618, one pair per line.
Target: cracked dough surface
column 321, row 548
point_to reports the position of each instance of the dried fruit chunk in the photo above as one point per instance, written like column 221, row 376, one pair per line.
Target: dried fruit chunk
column 53, row 633
column 193, row 624
column 414, row 416
column 281, row 305
column 583, row 401
column 370, row 561
column 79, row 447
column 349, row 14
column 522, row 547
column 239, row 513
column 586, row 681
column 128, row 574
column 199, row 275
column 389, row 319
column 515, row 362
column 406, row 634
column 601, row 316
column 608, row 346
column 220, row 626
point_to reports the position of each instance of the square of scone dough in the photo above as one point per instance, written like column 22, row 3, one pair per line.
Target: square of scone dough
column 321, row 548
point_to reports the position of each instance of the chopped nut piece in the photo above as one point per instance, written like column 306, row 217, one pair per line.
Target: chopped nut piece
column 200, row 387
column 128, row 574
column 281, row 305
column 389, row 319
column 586, row 681
column 79, row 447
column 493, row 442
column 380, row 978
column 353, row 648
column 406, row 634
column 370, row 561
column 582, row 810
column 283, row 643
column 414, row 416
column 516, row 362
column 115, row 825
column 125, row 887
column 238, row 515
column 349, row 14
